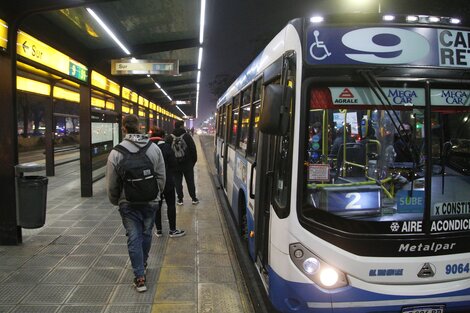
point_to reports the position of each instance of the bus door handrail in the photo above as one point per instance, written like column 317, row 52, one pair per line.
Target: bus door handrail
column 252, row 195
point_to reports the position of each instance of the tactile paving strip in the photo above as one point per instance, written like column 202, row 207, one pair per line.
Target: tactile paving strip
column 48, row 294
column 91, row 294
column 64, row 276
column 102, row 276
column 82, row 309
column 128, row 309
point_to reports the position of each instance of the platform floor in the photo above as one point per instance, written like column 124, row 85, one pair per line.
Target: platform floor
column 78, row 261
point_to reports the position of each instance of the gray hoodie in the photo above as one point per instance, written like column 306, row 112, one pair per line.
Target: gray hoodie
column 115, row 191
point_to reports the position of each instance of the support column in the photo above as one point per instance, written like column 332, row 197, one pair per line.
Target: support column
column 118, row 109
column 50, row 134
column 86, row 170
column 10, row 233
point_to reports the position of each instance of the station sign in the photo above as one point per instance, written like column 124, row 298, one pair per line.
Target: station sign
column 3, row 34
column 141, row 67
column 37, row 51
column 180, row 102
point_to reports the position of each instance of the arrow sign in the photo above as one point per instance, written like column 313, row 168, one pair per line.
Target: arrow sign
column 25, row 47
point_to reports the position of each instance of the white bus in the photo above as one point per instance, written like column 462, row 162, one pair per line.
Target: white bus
column 344, row 152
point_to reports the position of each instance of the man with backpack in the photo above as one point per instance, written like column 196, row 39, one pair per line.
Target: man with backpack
column 186, row 157
column 158, row 136
column 135, row 175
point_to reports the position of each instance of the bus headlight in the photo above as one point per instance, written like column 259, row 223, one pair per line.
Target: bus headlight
column 316, row 269
column 311, row 265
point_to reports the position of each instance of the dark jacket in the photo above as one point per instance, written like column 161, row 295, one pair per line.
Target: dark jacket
column 170, row 160
column 190, row 151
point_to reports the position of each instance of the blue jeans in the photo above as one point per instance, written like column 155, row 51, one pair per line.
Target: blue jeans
column 138, row 220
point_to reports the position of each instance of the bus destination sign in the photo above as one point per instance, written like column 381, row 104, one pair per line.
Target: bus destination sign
column 388, row 46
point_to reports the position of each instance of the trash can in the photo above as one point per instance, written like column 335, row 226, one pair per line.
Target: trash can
column 31, row 196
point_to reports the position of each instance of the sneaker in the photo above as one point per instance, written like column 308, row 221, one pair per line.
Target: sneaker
column 179, row 202
column 139, row 283
column 158, row 233
column 195, row 201
column 176, row 233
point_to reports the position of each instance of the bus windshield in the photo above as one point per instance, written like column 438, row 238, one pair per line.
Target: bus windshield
column 367, row 161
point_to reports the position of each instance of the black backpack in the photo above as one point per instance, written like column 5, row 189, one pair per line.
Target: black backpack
column 137, row 174
column 179, row 147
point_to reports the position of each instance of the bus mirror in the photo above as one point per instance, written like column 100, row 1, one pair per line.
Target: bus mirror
column 274, row 118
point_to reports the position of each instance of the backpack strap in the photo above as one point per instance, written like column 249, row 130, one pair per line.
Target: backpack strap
column 121, row 149
column 126, row 151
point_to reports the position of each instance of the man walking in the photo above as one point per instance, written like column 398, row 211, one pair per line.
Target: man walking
column 135, row 173
column 186, row 157
column 158, row 136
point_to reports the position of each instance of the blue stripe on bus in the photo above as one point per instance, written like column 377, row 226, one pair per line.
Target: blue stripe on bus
column 297, row 297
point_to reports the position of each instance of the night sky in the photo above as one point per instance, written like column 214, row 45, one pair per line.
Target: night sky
column 237, row 30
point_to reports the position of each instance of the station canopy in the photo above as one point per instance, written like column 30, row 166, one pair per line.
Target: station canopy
column 156, row 30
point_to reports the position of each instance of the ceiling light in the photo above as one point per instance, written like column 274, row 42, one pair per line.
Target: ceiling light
column 106, row 28
column 199, row 61
column 184, row 114
column 455, row 21
column 388, row 18
column 203, row 15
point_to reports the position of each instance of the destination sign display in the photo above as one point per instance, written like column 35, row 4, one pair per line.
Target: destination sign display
column 37, row 51
column 141, row 67
column 418, row 46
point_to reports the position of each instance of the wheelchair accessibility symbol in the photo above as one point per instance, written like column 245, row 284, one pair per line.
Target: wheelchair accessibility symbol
column 318, row 49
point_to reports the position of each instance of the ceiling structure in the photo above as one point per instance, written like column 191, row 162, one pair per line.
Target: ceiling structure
column 156, row 30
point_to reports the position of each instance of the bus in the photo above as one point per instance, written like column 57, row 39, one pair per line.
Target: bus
column 343, row 150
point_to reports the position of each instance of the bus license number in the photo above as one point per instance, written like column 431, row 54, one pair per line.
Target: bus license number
column 424, row 309
column 457, row 268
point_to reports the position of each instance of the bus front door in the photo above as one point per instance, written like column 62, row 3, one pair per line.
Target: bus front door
column 264, row 179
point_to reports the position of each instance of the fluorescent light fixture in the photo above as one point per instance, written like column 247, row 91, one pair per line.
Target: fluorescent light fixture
column 199, row 61
column 388, row 18
column 184, row 114
column 316, row 19
column 203, row 16
column 434, row 19
column 198, row 76
column 158, row 86
column 106, row 28
column 455, row 21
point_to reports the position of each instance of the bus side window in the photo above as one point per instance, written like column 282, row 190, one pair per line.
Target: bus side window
column 234, row 121
column 254, row 120
column 245, row 119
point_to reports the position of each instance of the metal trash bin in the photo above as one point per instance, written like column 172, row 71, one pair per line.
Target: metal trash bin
column 31, row 196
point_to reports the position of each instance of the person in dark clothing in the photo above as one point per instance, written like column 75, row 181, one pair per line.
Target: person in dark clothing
column 185, row 167
column 402, row 145
column 339, row 141
column 169, row 191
